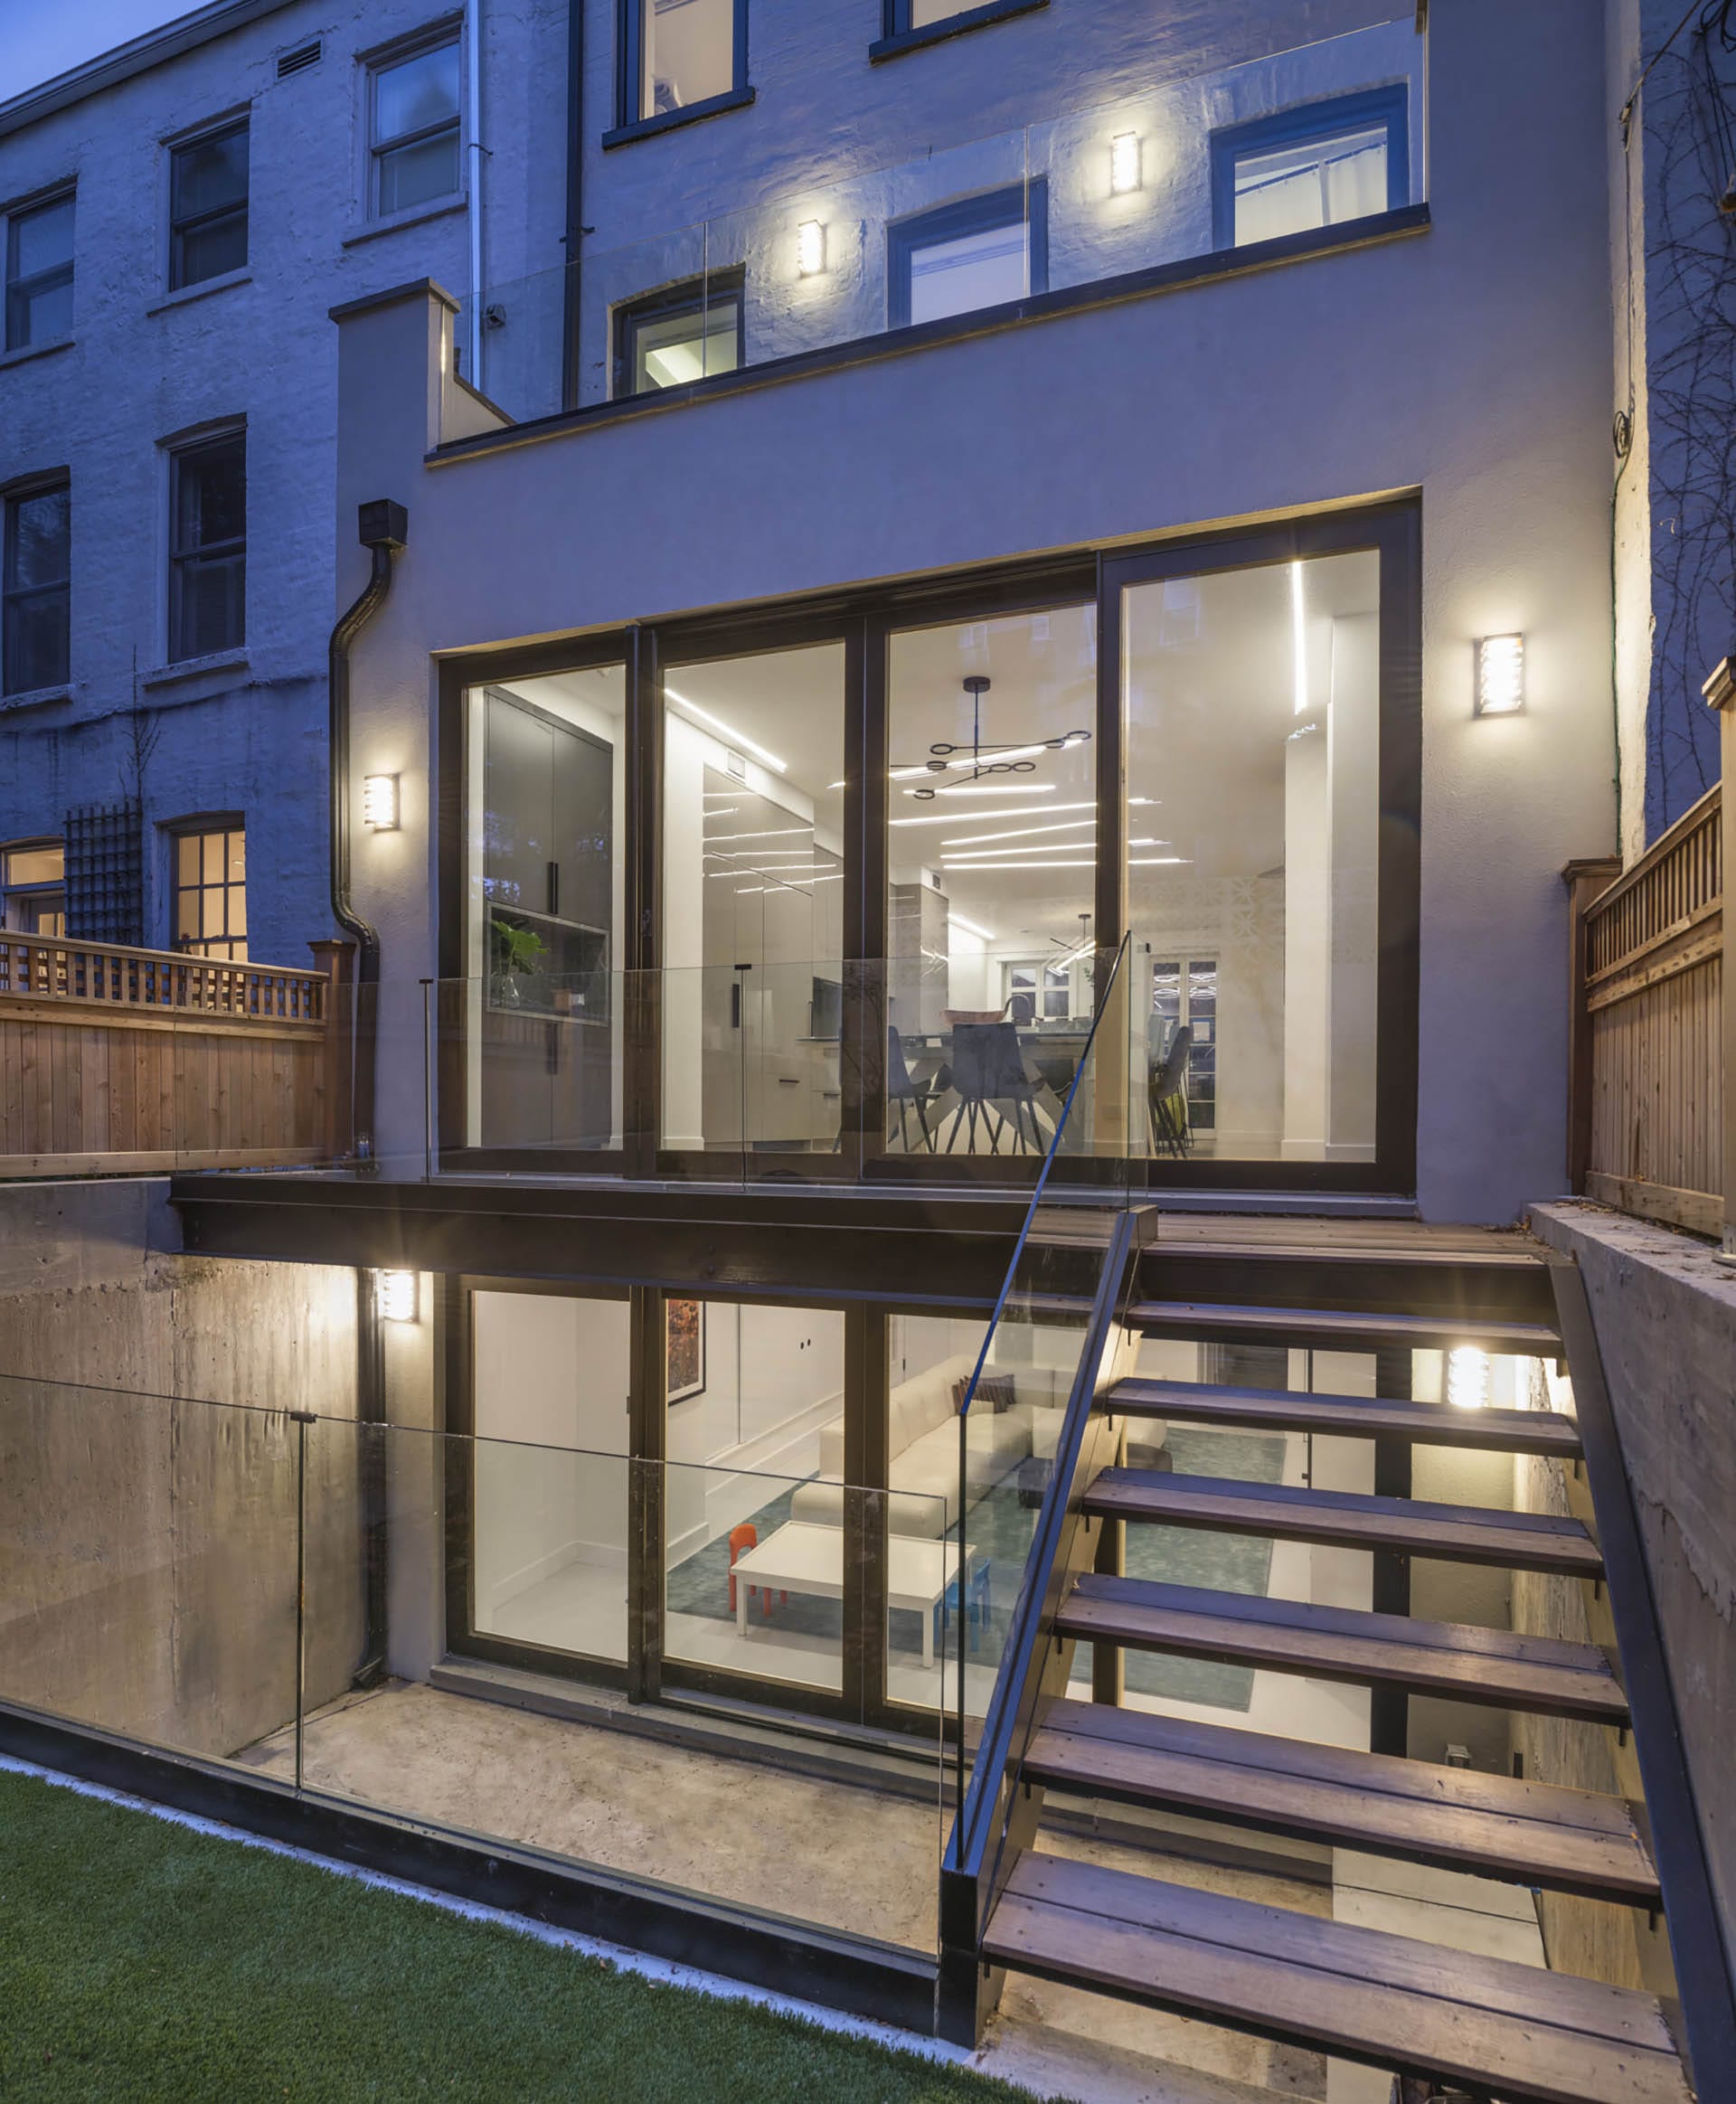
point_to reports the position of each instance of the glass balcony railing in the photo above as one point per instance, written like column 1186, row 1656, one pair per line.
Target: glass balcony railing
column 1291, row 141
column 314, row 1605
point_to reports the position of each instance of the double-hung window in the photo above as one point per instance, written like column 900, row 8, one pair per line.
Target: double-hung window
column 413, row 127
column 211, row 890
column 688, row 332
column 36, row 589
column 1308, row 168
column 208, row 206
column 39, row 273
column 975, row 252
column 208, row 546
column 681, row 56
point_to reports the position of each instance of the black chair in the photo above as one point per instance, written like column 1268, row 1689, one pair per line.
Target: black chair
column 988, row 1068
column 900, row 1089
column 1168, row 1101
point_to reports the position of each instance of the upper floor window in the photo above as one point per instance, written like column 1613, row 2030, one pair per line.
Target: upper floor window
column 1316, row 167
column 39, row 273
column 413, row 127
column 687, row 332
column 975, row 252
column 211, row 890
column 35, row 600
column 208, row 206
column 32, row 888
column 680, row 55
column 208, row 546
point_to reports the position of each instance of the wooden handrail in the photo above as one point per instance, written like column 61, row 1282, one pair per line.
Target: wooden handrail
column 111, row 976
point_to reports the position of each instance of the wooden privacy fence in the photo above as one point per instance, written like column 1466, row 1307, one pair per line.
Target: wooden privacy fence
column 1648, row 1094
column 125, row 1060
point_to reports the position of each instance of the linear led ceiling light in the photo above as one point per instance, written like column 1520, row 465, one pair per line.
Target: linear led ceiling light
column 726, row 731
column 1022, row 831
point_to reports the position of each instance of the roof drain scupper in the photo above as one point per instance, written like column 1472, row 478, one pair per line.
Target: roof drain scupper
column 381, row 527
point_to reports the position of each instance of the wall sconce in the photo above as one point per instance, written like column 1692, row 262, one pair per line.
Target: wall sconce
column 380, row 803
column 1500, row 674
column 1467, row 1378
column 810, row 248
column 395, row 1296
column 1124, row 163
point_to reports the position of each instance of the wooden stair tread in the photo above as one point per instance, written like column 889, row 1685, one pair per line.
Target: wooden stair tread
column 1538, row 1673
column 1453, row 1533
column 1341, row 1330
column 1492, row 1432
column 1397, row 2003
column 1528, row 1833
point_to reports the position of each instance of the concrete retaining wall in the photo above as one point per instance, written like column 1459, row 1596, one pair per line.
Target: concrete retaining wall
column 148, row 1525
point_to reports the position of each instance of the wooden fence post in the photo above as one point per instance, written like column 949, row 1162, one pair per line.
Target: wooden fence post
column 1720, row 690
column 1585, row 879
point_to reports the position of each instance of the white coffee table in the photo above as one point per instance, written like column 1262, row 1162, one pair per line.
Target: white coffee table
column 801, row 1557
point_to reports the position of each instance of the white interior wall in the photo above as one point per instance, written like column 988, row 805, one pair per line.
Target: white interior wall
column 551, row 1398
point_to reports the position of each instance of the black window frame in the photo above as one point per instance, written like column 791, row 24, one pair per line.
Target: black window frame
column 379, row 63
column 225, row 825
column 213, row 217
column 21, row 290
column 184, row 560
column 12, row 594
column 1306, row 124
column 899, row 35
column 1013, row 204
column 632, row 122
column 688, row 295
column 43, row 889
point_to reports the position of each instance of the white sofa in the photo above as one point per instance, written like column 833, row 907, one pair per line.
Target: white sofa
column 922, row 1431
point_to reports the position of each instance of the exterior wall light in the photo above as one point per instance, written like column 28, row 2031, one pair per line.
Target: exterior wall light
column 395, row 1296
column 380, row 803
column 1500, row 675
column 810, row 248
column 1124, row 163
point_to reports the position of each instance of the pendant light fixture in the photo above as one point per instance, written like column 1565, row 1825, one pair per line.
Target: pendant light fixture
column 982, row 761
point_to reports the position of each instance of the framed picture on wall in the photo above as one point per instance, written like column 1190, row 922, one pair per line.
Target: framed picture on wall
column 685, row 1324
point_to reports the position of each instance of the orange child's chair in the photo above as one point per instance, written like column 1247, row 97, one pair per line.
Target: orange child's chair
column 741, row 1539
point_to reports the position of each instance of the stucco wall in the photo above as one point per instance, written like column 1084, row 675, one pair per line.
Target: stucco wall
column 1471, row 363
column 246, row 735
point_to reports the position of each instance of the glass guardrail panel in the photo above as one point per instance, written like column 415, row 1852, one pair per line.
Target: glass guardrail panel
column 447, row 1575
column 147, row 1567
column 1202, row 161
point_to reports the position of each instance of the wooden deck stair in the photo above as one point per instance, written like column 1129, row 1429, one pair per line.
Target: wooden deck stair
column 1549, row 2038
column 1515, row 2031
column 1433, row 1424
column 1288, row 1512
column 1567, row 1841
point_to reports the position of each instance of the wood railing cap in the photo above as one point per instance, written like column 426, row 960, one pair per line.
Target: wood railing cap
column 1720, row 687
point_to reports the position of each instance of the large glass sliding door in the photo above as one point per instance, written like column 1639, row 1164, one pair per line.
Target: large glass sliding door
column 992, row 851
column 753, row 882
column 1252, row 706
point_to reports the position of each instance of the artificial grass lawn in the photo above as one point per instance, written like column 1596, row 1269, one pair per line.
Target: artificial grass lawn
column 139, row 1959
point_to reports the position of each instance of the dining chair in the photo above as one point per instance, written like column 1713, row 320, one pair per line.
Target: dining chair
column 900, row 1089
column 987, row 1070
column 1167, row 1095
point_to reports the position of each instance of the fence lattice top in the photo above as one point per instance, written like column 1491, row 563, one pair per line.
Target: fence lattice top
column 54, row 968
column 1677, row 882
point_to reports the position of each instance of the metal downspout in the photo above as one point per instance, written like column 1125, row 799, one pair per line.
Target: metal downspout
column 381, row 527
column 575, row 202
